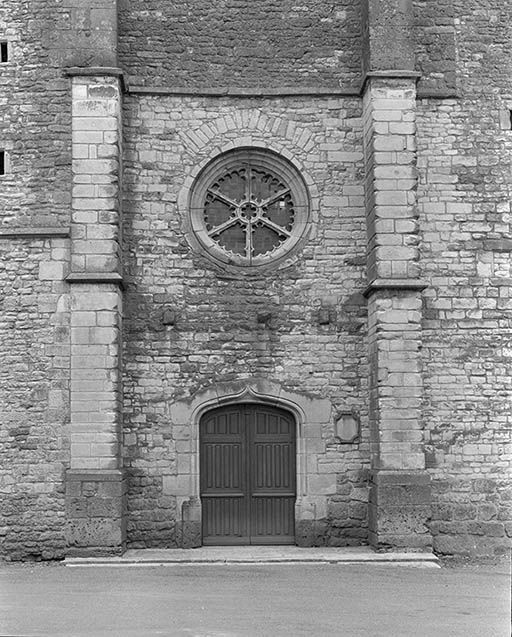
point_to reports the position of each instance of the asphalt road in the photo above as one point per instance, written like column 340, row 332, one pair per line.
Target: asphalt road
column 254, row 600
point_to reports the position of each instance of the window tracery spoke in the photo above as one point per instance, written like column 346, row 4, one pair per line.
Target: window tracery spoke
column 221, row 227
column 274, row 226
column 221, row 197
column 248, row 184
column 278, row 195
column 248, row 241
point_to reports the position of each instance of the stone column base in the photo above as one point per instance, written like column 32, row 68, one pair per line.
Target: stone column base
column 95, row 512
column 399, row 510
column 310, row 521
column 189, row 535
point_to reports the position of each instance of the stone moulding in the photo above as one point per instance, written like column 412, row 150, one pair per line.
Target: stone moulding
column 250, row 394
column 310, row 413
column 34, row 232
column 405, row 74
column 394, row 284
column 433, row 94
column 231, row 92
column 96, row 71
column 391, row 74
column 227, row 91
column 248, row 214
column 95, row 277
column 208, row 142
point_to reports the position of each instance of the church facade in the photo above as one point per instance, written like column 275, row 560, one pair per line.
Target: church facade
column 255, row 275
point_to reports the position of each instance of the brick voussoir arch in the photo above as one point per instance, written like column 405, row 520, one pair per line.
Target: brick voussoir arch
column 246, row 124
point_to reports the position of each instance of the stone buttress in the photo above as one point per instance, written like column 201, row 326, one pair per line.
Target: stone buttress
column 95, row 488
column 399, row 506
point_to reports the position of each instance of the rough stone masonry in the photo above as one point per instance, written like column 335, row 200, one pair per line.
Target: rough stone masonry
column 385, row 331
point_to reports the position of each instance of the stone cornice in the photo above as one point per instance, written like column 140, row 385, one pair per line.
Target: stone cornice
column 394, row 284
column 95, row 277
column 285, row 91
column 225, row 91
column 391, row 74
column 96, row 71
column 436, row 94
column 42, row 232
column 104, row 475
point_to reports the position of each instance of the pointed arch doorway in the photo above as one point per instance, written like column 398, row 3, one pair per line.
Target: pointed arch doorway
column 248, row 475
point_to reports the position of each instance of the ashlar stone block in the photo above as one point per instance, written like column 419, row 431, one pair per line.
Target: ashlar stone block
column 51, row 271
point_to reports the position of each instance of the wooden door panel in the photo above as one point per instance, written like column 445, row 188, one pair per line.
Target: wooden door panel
column 223, row 468
column 247, row 468
column 272, row 520
column 271, row 424
column 223, row 478
column 272, row 477
column 273, row 468
column 219, row 424
column 224, row 520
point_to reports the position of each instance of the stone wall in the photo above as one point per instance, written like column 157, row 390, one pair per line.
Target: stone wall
column 35, row 115
column 217, row 336
column 239, row 43
column 35, row 111
column 435, row 47
column 34, row 391
column 313, row 341
column 465, row 147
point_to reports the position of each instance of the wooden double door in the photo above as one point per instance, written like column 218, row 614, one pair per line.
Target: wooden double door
column 247, row 469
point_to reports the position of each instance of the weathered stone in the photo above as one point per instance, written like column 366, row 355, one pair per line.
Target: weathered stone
column 311, row 533
column 89, row 533
column 414, row 189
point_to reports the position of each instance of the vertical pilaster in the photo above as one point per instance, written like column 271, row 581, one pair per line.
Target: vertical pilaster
column 95, row 484
column 389, row 108
column 400, row 491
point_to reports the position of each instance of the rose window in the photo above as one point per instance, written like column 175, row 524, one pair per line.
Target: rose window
column 249, row 207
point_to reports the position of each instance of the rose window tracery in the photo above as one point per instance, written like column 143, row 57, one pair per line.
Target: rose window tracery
column 249, row 207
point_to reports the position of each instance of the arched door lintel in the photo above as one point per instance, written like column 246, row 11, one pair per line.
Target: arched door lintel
column 249, row 394
column 311, row 413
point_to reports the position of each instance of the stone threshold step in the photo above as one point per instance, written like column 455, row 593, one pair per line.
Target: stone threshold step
column 257, row 555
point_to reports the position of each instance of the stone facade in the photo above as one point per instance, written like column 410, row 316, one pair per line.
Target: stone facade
column 385, row 332
column 220, row 310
